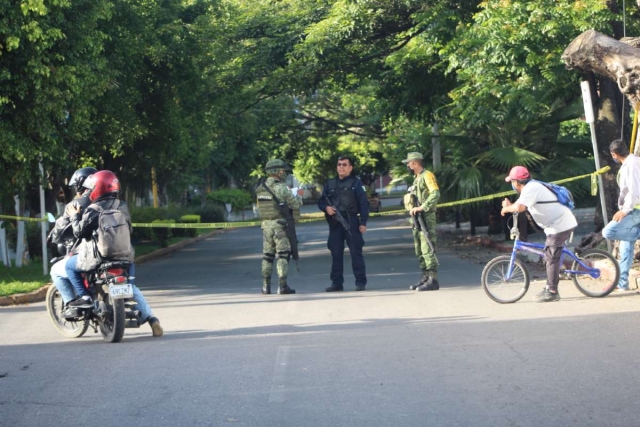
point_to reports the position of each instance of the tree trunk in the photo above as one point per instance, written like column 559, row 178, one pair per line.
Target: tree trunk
column 618, row 64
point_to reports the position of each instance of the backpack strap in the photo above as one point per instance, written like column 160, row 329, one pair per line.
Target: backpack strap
column 544, row 184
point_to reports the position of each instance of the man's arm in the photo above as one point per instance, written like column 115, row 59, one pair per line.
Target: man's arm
column 508, row 207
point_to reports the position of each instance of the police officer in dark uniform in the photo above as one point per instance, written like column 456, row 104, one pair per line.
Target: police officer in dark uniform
column 345, row 196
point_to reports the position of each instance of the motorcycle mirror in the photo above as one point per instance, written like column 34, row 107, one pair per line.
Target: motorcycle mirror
column 50, row 217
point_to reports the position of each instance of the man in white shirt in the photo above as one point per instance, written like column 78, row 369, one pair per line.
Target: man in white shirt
column 556, row 219
column 625, row 224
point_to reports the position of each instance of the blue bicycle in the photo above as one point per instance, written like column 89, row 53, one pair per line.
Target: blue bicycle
column 505, row 278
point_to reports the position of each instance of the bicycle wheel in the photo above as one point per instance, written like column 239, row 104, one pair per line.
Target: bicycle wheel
column 497, row 287
column 606, row 282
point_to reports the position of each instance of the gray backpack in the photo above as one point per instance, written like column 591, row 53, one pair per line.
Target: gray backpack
column 113, row 236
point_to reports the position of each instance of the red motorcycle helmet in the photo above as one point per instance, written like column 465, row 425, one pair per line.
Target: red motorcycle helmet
column 101, row 183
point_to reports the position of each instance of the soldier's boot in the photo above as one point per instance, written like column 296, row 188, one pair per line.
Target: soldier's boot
column 284, row 289
column 430, row 285
column 423, row 279
column 266, row 285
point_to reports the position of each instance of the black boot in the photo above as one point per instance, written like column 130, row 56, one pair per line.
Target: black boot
column 430, row 285
column 266, row 285
column 423, row 279
column 284, row 289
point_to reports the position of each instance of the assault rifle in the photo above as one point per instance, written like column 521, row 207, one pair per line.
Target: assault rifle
column 289, row 226
column 420, row 225
column 338, row 216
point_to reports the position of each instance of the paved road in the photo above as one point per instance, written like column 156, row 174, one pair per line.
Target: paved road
column 384, row 357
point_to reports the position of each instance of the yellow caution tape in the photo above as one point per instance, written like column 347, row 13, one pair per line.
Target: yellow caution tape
column 388, row 213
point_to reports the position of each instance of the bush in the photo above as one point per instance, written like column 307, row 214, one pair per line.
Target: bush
column 145, row 215
column 187, row 232
column 211, row 213
column 238, row 199
column 162, row 234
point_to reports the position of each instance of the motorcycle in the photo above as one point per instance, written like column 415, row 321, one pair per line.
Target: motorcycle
column 114, row 308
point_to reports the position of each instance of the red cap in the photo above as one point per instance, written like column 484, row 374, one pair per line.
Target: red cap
column 518, row 173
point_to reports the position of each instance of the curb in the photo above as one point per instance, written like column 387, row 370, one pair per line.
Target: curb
column 40, row 294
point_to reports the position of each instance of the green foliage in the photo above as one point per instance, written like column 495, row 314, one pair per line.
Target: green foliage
column 187, row 232
column 163, row 234
column 238, row 199
column 211, row 213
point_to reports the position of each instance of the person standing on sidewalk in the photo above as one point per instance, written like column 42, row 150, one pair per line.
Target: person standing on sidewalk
column 556, row 219
column 345, row 197
column 421, row 200
column 625, row 224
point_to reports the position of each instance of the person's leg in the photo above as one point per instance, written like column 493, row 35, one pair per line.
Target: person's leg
column 268, row 257
column 626, row 260
column 283, row 249
column 429, row 255
column 75, row 277
column 552, row 252
column 418, row 251
column 335, row 243
column 146, row 314
column 356, row 243
column 627, row 229
column 61, row 281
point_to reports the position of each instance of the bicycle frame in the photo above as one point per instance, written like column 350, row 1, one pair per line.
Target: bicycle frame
column 538, row 249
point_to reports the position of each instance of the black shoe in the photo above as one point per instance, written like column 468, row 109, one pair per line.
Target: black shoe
column 430, row 285
column 548, row 296
column 285, row 289
column 334, row 288
column 266, row 287
column 360, row 287
column 156, row 327
column 421, row 282
column 81, row 302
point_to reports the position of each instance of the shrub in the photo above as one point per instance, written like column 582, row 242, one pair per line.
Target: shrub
column 187, row 232
column 211, row 213
column 162, row 234
column 238, row 199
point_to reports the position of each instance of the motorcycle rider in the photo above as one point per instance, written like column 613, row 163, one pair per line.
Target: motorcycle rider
column 103, row 188
column 60, row 231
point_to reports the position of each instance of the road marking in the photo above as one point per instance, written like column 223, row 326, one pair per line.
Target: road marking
column 277, row 393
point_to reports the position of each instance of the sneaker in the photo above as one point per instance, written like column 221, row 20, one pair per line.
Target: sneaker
column 540, row 294
column 360, row 287
column 621, row 289
column 430, row 285
column 156, row 328
column 547, row 296
column 81, row 302
column 334, row 288
column 71, row 314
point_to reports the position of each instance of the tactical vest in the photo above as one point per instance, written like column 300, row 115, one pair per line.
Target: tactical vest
column 343, row 194
column 266, row 205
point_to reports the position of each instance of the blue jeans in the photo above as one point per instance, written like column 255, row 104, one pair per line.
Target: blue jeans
column 77, row 282
column 61, row 281
column 627, row 231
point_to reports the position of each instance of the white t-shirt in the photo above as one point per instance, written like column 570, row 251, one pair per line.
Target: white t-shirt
column 553, row 217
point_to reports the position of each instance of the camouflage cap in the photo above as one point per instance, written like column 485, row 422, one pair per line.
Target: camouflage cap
column 414, row 155
column 276, row 164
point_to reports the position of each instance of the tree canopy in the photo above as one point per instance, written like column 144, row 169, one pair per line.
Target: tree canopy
column 206, row 91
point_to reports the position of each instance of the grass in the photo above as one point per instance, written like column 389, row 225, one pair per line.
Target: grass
column 17, row 280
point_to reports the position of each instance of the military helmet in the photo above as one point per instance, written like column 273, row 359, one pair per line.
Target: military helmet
column 276, row 164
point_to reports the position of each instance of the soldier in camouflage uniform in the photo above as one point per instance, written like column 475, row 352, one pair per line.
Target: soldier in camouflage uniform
column 275, row 240
column 426, row 189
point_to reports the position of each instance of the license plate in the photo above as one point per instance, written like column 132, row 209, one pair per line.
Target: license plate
column 121, row 291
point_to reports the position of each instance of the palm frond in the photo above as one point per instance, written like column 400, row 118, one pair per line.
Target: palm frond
column 505, row 158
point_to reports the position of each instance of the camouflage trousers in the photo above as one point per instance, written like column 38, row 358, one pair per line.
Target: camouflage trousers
column 275, row 243
column 426, row 257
